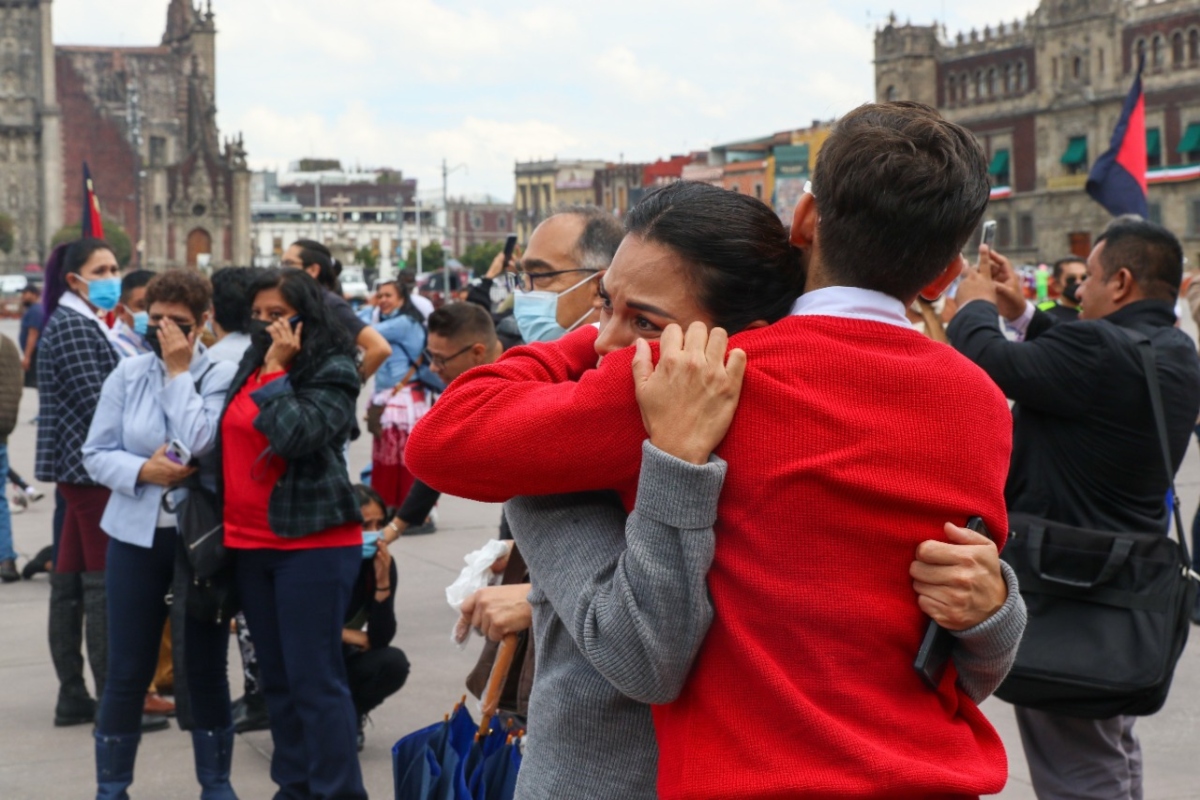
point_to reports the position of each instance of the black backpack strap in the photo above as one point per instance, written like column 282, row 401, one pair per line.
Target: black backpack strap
column 1150, row 369
column 200, row 380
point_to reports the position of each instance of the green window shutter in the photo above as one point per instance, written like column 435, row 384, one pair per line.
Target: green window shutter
column 1153, row 143
column 1076, row 152
column 999, row 165
column 1191, row 139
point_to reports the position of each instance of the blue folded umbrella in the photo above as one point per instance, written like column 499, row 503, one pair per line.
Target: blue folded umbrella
column 428, row 763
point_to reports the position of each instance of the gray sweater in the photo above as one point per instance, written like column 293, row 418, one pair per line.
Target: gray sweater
column 620, row 609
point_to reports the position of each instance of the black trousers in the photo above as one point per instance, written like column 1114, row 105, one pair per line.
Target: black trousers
column 375, row 675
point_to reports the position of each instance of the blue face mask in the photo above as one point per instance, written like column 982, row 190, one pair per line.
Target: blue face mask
column 103, row 293
column 370, row 543
column 537, row 314
column 141, row 321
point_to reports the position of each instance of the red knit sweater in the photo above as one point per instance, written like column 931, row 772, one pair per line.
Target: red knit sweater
column 854, row 442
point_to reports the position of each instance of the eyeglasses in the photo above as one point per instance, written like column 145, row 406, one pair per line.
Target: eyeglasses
column 440, row 361
column 527, row 281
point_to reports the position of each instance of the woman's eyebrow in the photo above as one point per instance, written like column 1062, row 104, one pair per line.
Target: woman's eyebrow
column 649, row 309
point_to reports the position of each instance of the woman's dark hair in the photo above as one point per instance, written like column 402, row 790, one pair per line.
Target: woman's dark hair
column 322, row 336
column 183, row 286
column 745, row 267
column 365, row 494
column 64, row 260
column 328, row 267
column 231, row 298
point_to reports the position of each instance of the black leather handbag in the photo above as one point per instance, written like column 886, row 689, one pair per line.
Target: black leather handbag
column 1108, row 612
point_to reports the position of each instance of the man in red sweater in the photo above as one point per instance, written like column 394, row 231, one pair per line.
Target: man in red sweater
column 855, row 440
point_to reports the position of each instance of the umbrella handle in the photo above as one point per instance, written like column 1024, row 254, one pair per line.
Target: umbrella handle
column 495, row 685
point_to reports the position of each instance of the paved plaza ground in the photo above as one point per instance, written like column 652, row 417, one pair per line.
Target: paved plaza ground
column 40, row 762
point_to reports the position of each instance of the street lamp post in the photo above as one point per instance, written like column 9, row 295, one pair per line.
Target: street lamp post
column 446, row 210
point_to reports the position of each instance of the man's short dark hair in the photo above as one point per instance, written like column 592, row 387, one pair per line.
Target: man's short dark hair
column 1062, row 262
column 1150, row 252
column 33, row 287
column 231, row 298
column 462, row 321
column 600, row 238
column 134, row 280
column 899, row 190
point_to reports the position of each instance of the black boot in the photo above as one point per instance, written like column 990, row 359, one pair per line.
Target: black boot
column 95, row 611
column 75, row 706
column 250, row 713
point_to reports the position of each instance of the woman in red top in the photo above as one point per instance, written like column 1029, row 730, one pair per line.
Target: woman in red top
column 291, row 514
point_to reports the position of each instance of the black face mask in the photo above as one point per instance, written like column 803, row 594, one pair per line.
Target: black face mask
column 1071, row 291
column 155, row 344
column 27, row 303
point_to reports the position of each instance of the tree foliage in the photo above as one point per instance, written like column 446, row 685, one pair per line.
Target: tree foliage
column 433, row 257
column 366, row 257
column 114, row 234
column 478, row 257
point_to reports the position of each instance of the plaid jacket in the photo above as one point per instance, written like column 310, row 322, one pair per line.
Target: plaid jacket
column 74, row 358
column 308, row 425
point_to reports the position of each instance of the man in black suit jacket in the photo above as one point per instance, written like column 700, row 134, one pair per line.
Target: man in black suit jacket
column 1085, row 449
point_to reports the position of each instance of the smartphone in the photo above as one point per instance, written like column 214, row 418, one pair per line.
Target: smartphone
column 178, row 452
column 989, row 233
column 938, row 642
column 510, row 247
column 294, row 321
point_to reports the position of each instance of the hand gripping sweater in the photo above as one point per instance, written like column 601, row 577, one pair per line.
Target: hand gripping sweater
column 854, row 441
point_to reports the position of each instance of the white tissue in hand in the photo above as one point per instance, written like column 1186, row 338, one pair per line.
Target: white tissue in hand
column 476, row 574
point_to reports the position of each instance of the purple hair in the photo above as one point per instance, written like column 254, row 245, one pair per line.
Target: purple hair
column 53, row 280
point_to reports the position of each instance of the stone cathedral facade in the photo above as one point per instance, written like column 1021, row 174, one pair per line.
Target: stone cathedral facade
column 143, row 118
column 1043, row 95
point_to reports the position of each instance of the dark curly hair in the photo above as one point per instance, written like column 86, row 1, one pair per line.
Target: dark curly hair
column 183, row 286
column 322, row 336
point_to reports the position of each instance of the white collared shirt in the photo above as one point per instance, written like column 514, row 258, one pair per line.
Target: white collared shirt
column 852, row 303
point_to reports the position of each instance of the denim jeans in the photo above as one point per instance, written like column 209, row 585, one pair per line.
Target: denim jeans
column 6, row 540
column 138, row 580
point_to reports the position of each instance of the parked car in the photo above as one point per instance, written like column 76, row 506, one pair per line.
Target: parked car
column 432, row 285
column 354, row 285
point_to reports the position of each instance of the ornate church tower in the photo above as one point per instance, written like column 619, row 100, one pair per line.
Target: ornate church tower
column 30, row 131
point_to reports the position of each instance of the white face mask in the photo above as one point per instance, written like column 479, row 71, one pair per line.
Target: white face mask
column 537, row 313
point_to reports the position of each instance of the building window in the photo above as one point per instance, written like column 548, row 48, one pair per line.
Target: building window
column 1054, row 69
column 979, row 85
column 524, row 197
column 951, row 90
column 1139, row 50
column 1189, row 145
column 1158, row 52
column 1025, row 231
column 501, row 223
column 1100, row 61
column 1008, row 79
column 964, row 87
column 1155, row 213
column 999, row 168
column 476, row 222
column 1003, row 233
column 277, row 245
column 993, row 83
column 1193, row 45
column 1077, row 68
column 158, row 151
column 1153, row 147
column 1075, row 159
column 890, row 94
column 1022, row 77
column 1177, row 50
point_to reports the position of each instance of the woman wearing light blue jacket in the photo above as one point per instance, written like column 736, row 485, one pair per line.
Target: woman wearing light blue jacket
column 155, row 408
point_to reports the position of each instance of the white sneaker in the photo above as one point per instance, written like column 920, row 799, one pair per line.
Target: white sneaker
column 17, row 504
column 34, row 493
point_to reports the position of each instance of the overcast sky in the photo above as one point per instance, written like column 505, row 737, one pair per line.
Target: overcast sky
column 404, row 83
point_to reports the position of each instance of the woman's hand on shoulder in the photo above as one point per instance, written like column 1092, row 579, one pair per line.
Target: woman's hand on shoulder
column 689, row 398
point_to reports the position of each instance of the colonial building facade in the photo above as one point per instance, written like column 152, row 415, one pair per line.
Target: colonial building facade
column 143, row 118
column 1043, row 96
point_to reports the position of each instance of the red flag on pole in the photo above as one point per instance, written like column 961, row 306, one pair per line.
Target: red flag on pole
column 92, row 227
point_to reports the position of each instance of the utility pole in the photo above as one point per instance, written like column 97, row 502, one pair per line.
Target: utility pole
column 133, row 113
column 420, row 271
column 318, row 213
column 446, row 229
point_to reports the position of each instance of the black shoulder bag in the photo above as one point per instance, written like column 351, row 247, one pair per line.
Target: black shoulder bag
column 1108, row 612
column 203, row 567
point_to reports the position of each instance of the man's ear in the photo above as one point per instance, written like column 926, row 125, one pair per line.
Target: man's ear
column 942, row 282
column 1122, row 284
column 804, row 222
